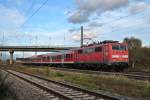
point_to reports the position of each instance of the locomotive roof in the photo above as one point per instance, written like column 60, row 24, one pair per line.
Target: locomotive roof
column 99, row 44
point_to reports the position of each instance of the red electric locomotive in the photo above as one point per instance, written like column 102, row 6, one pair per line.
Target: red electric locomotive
column 110, row 55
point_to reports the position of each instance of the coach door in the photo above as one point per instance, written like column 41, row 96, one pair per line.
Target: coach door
column 105, row 53
column 75, row 56
column 62, row 58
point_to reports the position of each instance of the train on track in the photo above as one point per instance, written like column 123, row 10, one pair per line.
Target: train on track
column 106, row 55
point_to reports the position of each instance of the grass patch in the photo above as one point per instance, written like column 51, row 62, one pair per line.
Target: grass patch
column 115, row 84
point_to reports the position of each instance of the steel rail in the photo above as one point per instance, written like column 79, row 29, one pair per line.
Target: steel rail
column 92, row 93
column 55, row 93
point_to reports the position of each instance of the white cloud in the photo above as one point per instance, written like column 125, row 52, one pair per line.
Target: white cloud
column 138, row 7
column 102, row 29
column 10, row 18
column 85, row 8
column 102, row 5
column 78, row 16
column 95, row 24
column 88, row 34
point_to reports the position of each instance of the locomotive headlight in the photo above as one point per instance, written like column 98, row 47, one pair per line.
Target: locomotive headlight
column 115, row 56
column 114, row 60
column 124, row 56
column 119, row 56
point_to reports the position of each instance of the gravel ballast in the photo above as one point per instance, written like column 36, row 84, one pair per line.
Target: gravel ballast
column 18, row 89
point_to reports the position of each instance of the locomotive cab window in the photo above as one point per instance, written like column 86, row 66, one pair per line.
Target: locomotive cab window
column 115, row 47
column 119, row 47
column 123, row 47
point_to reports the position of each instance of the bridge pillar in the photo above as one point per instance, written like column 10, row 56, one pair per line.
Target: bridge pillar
column 11, row 57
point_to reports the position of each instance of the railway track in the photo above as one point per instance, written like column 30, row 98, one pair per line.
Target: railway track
column 64, row 91
column 133, row 75
column 139, row 73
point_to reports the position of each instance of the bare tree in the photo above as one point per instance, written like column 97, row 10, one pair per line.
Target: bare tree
column 134, row 45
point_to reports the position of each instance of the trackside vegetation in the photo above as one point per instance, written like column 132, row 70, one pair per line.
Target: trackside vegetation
column 115, row 84
column 139, row 56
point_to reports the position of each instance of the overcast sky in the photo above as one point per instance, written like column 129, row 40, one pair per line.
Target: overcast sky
column 58, row 21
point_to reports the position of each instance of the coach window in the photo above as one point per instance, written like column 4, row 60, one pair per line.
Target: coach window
column 47, row 57
column 43, row 58
column 53, row 58
column 88, row 50
column 59, row 57
column 70, row 55
column 38, row 58
column 98, row 49
column 85, row 51
column 67, row 55
column 80, row 51
column 91, row 50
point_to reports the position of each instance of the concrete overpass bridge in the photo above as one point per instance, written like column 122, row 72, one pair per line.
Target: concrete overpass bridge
column 12, row 49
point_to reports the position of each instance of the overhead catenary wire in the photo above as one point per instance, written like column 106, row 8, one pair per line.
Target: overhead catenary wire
column 30, row 7
column 130, row 16
column 118, row 19
column 36, row 11
column 112, row 21
column 124, row 17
